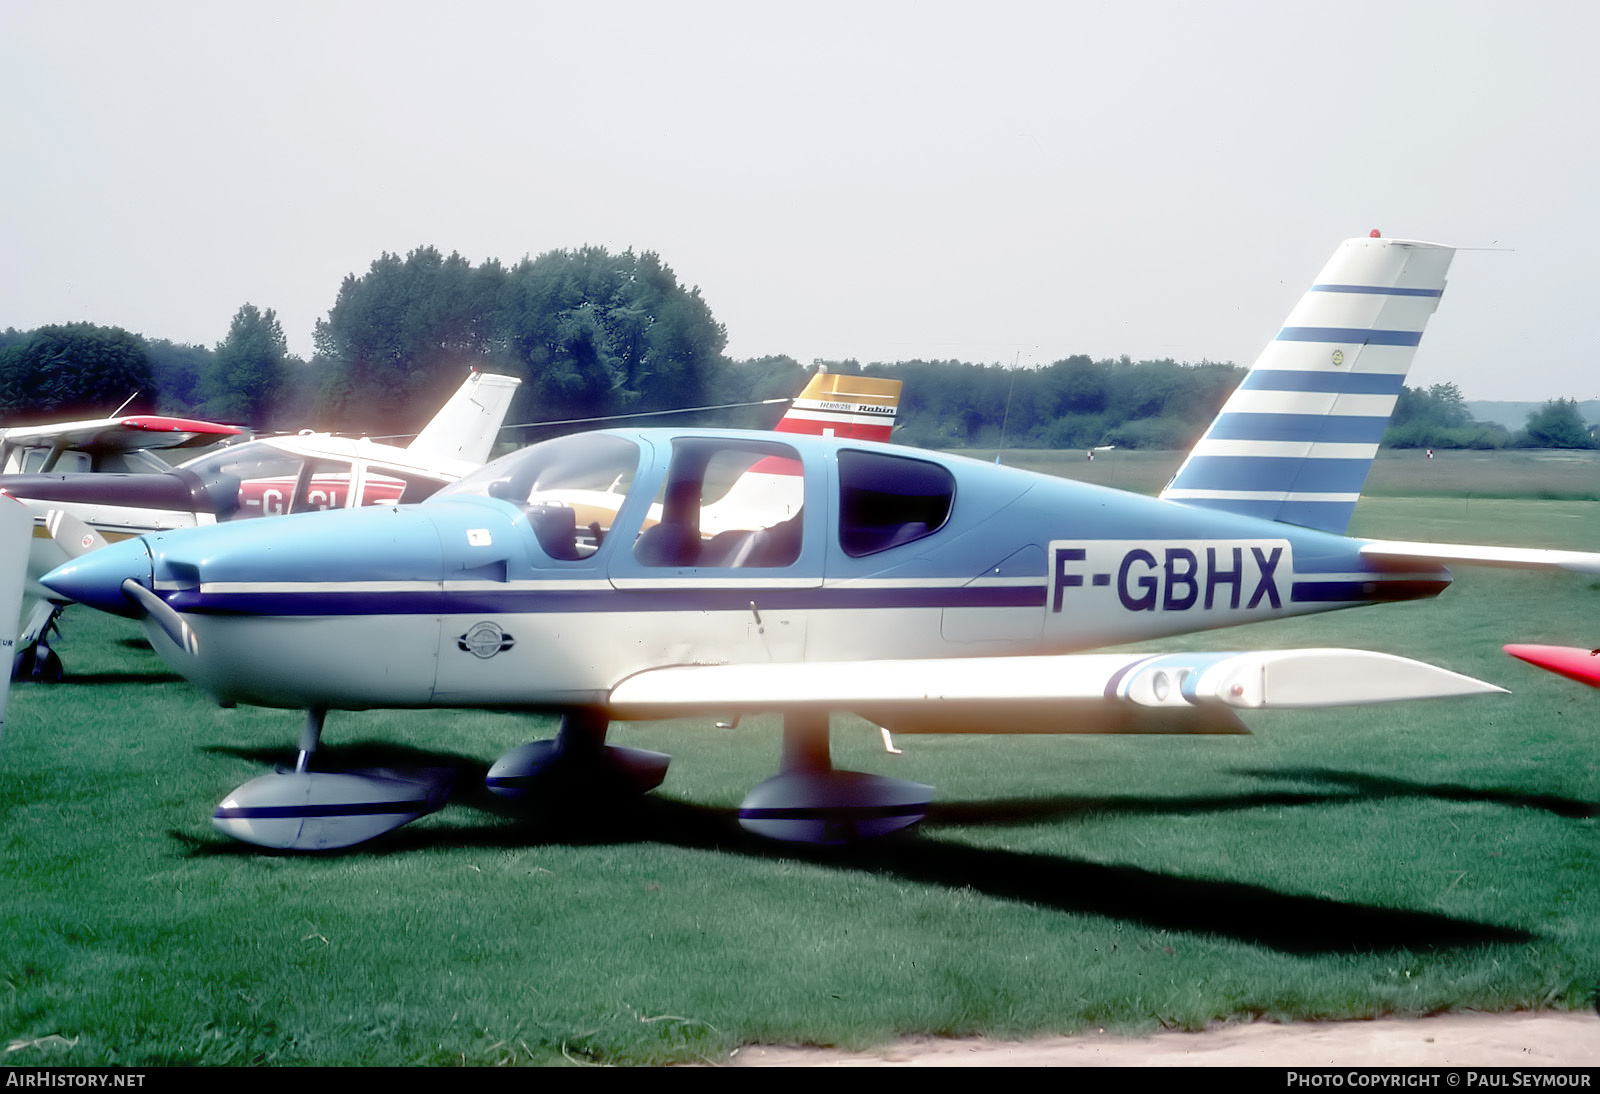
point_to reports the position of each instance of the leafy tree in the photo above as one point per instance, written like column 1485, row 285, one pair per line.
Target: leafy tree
column 590, row 332
column 753, row 380
column 1074, row 403
column 399, row 338
column 1438, row 418
column 246, row 377
column 1557, row 424
column 179, row 372
column 74, row 370
column 597, row 333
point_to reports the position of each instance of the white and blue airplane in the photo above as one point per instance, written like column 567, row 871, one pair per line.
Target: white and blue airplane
column 924, row 592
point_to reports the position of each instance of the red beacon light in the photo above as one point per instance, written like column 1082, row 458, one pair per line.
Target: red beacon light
column 1375, row 234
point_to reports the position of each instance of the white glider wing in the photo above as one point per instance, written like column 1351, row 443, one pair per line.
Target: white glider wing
column 1079, row 693
column 16, row 529
column 1578, row 562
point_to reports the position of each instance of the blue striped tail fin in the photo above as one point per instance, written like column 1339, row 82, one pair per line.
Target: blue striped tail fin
column 1295, row 441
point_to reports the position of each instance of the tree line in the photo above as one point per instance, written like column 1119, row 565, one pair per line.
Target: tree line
column 592, row 334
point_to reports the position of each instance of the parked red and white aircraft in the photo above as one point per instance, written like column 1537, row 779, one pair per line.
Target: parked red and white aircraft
column 264, row 477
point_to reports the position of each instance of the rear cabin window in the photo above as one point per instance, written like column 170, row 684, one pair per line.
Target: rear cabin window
column 886, row 501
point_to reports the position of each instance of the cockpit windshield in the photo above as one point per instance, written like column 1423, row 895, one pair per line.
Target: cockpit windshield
column 571, row 488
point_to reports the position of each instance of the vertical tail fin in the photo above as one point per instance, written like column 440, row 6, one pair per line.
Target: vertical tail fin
column 466, row 427
column 835, row 404
column 1295, row 441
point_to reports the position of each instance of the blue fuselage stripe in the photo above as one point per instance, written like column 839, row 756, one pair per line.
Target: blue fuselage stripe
column 1329, row 429
column 1341, row 383
column 1377, row 290
column 528, row 600
column 1324, row 592
column 1275, row 473
column 1360, row 336
column 514, row 599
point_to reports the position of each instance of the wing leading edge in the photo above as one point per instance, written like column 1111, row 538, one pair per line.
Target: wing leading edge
column 1080, row 693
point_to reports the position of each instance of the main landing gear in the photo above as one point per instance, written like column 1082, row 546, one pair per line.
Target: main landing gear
column 35, row 662
column 577, row 764
column 808, row 801
column 305, row 810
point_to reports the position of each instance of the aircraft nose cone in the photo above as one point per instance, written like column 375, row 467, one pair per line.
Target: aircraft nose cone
column 96, row 578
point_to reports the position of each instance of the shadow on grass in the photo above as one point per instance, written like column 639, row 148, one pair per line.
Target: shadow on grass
column 1363, row 786
column 96, row 678
column 1253, row 914
column 1343, row 787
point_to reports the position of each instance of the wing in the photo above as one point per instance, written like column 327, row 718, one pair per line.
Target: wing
column 123, row 434
column 1080, row 693
column 1578, row 562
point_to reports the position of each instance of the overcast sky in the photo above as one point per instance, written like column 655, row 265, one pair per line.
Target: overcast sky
column 997, row 182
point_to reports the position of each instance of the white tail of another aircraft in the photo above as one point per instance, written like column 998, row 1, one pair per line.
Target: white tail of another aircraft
column 1295, row 441
column 466, row 427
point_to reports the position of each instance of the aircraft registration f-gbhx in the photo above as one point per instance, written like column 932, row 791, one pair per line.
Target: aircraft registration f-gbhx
column 926, row 593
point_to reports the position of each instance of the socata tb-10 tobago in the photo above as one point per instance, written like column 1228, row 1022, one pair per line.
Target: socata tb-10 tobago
column 638, row 574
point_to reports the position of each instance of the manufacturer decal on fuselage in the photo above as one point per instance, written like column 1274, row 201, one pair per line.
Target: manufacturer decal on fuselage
column 1173, row 575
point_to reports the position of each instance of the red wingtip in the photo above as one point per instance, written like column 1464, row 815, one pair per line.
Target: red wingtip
column 1573, row 662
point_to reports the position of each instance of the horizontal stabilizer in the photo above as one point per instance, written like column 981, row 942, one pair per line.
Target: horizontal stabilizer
column 1083, row 693
column 1578, row 562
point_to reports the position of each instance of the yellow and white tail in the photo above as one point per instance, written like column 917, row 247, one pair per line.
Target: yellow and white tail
column 1294, row 443
column 833, row 404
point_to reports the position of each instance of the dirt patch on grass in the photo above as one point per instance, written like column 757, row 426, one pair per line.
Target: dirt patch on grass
column 1449, row 1040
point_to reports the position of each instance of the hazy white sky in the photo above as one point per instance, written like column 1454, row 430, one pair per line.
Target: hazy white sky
column 1004, row 182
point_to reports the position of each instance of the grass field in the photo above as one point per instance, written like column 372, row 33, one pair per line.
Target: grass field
column 1407, row 859
column 1534, row 473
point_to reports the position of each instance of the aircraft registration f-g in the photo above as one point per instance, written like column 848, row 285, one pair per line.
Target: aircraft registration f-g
column 925, row 592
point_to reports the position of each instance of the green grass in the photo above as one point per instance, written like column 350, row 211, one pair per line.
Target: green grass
column 1533, row 473
column 1336, row 864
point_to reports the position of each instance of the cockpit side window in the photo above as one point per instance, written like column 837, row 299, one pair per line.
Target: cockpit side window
column 727, row 504
column 886, row 501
